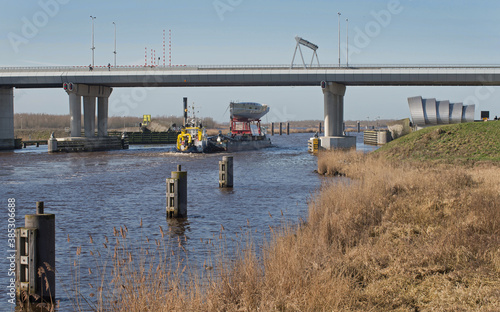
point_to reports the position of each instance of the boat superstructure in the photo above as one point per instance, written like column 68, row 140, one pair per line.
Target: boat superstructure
column 248, row 110
column 246, row 132
column 193, row 137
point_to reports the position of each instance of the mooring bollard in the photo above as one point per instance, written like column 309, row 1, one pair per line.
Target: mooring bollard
column 124, row 140
column 36, row 257
column 272, row 128
column 177, row 194
column 52, row 144
column 287, row 128
column 281, row 128
column 226, row 171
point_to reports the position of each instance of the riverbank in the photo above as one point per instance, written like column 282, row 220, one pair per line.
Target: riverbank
column 418, row 235
column 38, row 134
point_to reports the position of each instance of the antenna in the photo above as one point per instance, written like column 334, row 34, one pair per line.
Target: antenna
column 169, row 47
column 164, row 48
column 308, row 44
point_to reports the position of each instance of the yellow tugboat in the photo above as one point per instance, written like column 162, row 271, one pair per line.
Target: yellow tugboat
column 193, row 136
column 192, row 139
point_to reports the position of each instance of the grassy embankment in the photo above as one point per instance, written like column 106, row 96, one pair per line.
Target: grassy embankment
column 411, row 230
column 463, row 143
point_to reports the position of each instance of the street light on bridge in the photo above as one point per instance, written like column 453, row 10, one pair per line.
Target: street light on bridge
column 93, row 47
column 339, row 36
column 347, row 43
column 114, row 52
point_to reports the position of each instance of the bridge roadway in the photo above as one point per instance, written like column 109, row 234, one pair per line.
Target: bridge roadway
column 239, row 75
column 98, row 83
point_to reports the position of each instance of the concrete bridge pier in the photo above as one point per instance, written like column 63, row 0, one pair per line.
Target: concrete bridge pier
column 89, row 94
column 89, row 116
column 75, row 112
column 90, row 142
column 334, row 118
column 6, row 118
column 102, row 116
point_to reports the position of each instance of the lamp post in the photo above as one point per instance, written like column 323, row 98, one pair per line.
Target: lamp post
column 93, row 47
column 339, row 36
column 347, row 43
column 114, row 52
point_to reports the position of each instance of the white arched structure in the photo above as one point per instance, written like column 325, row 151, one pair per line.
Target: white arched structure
column 429, row 112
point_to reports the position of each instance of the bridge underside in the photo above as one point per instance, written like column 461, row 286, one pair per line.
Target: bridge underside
column 97, row 84
column 75, row 93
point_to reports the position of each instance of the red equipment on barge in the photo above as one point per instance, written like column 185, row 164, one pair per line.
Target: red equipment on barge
column 246, row 131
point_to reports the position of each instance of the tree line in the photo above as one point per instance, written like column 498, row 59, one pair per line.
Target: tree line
column 48, row 121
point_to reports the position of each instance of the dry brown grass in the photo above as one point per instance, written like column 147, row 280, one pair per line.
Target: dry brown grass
column 391, row 238
column 416, row 238
column 155, row 277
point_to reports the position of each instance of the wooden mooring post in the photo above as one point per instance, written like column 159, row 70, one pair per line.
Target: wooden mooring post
column 177, row 194
column 35, row 257
column 226, row 171
column 319, row 128
column 287, row 128
column 281, row 128
column 272, row 128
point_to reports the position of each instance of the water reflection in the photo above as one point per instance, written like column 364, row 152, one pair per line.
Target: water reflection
column 178, row 227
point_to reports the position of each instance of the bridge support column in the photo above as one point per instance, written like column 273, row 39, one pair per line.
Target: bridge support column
column 89, row 93
column 6, row 118
column 75, row 112
column 102, row 116
column 89, row 116
column 334, row 118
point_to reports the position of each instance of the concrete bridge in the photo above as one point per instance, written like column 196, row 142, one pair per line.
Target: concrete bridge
column 97, row 83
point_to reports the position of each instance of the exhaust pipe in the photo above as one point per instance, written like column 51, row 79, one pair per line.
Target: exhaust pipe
column 185, row 110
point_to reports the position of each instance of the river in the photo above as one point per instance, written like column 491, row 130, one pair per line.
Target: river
column 90, row 193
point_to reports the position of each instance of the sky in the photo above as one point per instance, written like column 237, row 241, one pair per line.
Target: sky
column 253, row 32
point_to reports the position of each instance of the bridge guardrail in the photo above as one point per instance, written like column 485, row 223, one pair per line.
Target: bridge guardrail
column 234, row 67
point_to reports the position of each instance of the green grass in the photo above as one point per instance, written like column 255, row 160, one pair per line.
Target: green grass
column 464, row 143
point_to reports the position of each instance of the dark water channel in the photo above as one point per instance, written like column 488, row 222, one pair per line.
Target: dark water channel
column 90, row 193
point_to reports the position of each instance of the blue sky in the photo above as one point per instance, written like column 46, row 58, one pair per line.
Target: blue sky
column 225, row 32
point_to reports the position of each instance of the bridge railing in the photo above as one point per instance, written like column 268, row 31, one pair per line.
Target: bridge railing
column 234, row 67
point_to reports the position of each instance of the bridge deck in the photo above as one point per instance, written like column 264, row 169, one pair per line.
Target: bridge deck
column 260, row 75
